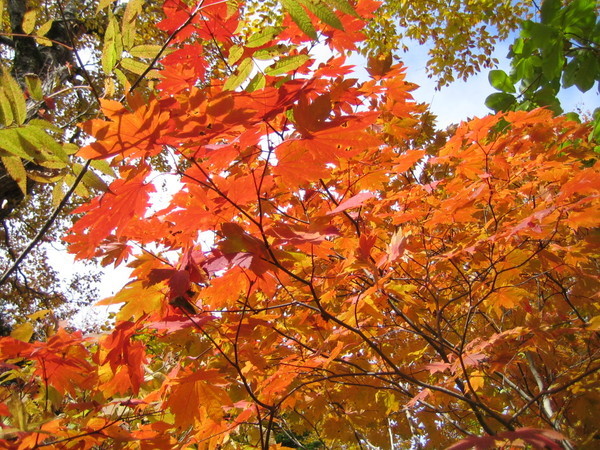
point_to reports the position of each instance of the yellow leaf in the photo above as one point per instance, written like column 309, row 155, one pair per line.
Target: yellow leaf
column 16, row 170
column 594, row 323
column 103, row 4
column 29, row 21
column 505, row 298
column 113, row 46
column 6, row 114
column 145, row 51
column 134, row 66
column 476, row 380
column 34, row 86
column 58, row 193
column 15, row 97
column 39, row 314
column 22, row 332
column 243, row 72
column 41, row 32
column 129, row 29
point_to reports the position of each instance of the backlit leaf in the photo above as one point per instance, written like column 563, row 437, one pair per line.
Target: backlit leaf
column 15, row 98
column 263, row 37
column 501, row 81
column 299, row 16
column 286, row 64
column 242, row 73
column 16, row 170
column 323, row 12
column 23, row 332
column 29, row 20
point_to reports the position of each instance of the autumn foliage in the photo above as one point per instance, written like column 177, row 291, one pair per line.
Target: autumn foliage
column 358, row 286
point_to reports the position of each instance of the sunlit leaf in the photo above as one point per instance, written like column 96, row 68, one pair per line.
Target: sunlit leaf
column 286, row 64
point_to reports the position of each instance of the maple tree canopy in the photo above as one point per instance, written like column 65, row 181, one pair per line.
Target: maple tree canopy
column 362, row 288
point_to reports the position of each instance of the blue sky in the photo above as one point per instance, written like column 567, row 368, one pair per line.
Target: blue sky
column 466, row 99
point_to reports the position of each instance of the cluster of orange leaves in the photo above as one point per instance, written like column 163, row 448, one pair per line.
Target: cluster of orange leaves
column 358, row 288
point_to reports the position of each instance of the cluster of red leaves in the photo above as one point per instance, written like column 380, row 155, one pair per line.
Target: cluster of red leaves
column 358, row 286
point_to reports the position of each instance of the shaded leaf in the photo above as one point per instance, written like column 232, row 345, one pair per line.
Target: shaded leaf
column 499, row 101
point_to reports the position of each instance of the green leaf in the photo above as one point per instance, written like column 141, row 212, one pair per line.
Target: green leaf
column 550, row 10
column 16, row 170
column 583, row 71
column 573, row 116
column 261, row 38
column 90, row 179
column 542, row 36
column 299, row 16
column 242, row 73
column 286, row 64
column 112, row 49
column 6, row 114
column 580, row 17
column 133, row 65
column 103, row 166
column 145, row 51
column 553, row 60
column 323, row 12
column 235, row 53
column 546, row 97
column 499, row 101
column 501, row 81
column 257, row 82
column 270, row 52
column 15, row 97
column 12, row 143
column 344, row 6
column 34, row 86
column 41, row 32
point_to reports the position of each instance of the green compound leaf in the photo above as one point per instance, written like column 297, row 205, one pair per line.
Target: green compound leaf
column 263, row 37
column 242, row 73
column 299, row 16
column 323, row 12
column 286, row 64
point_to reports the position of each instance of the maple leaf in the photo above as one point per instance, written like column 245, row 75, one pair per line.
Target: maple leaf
column 353, row 202
column 126, row 201
column 62, row 361
column 197, row 397
column 132, row 134
column 536, row 437
column 121, row 360
column 476, row 270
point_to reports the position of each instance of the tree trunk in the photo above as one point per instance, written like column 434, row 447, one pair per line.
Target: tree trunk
column 52, row 64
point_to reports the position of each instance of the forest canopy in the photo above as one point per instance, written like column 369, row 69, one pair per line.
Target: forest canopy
column 370, row 281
